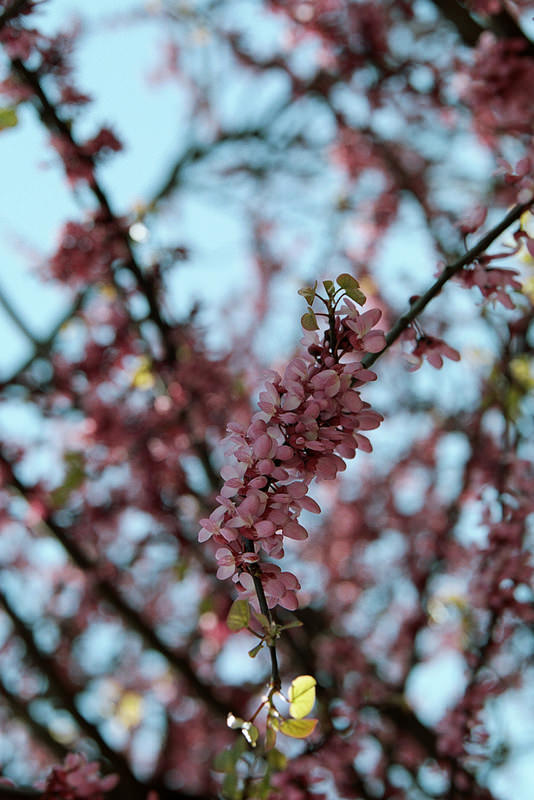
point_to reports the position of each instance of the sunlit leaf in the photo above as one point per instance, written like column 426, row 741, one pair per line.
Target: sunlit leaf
column 298, row 728
column 239, row 615
column 302, row 696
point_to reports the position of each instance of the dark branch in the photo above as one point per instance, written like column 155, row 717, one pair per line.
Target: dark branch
column 54, row 122
column 12, row 11
column 421, row 303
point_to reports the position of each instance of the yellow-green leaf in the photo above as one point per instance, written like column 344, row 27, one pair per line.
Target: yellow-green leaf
column 239, row 615
column 309, row 322
column 302, row 696
column 276, row 760
column 298, row 728
column 8, row 118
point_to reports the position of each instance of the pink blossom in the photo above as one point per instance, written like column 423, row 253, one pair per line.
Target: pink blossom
column 491, row 281
column 434, row 350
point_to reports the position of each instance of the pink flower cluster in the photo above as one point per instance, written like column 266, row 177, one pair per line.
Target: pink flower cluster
column 310, row 419
column 87, row 250
column 492, row 281
column 79, row 160
column 498, row 86
column 77, row 779
column 431, row 348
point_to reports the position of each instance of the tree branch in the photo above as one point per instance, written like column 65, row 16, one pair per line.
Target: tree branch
column 56, row 124
column 12, row 11
column 503, row 25
column 21, row 711
column 67, row 696
column 421, row 303
column 16, row 319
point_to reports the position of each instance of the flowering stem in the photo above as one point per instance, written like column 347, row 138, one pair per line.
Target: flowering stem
column 420, row 304
column 264, row 608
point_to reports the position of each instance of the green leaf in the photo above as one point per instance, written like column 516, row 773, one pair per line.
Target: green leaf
column 8, row 118
column 329, row 287
column 255, row 650
column 276, row 759
column 309, row 322
column 264, row 622
column 298, row 728
column 251, row 733
column 296, row 623
column 302, row 696
column 225, row 761
column 308, row 292
column 230, row 789
column 351, row 288
column 239, row 615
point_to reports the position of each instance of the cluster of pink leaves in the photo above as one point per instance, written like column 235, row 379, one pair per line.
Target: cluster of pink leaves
column 310, row 419
column 498, row 86
column 77, row 779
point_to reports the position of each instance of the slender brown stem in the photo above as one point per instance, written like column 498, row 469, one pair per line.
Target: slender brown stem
column 264, row 608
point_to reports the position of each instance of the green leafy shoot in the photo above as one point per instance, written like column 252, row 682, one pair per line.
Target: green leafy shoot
column 351, row 288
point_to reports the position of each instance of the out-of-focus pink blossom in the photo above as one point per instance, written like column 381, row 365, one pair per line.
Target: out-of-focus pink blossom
column 77, row 779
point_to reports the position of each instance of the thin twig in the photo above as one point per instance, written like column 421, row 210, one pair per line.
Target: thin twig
column 421, row 303
column 264, row 608
column 59, row 688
